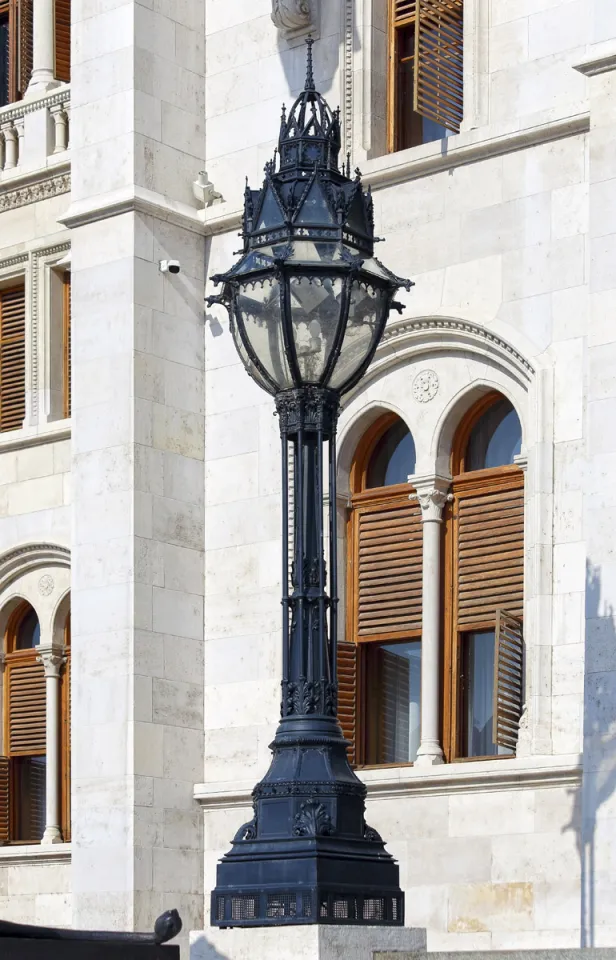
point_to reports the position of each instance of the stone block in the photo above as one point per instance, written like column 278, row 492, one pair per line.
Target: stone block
column 474, row 908
column 484, row 814
column 309, row 942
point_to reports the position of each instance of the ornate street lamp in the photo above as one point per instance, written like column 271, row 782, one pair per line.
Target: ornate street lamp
column 308, row 302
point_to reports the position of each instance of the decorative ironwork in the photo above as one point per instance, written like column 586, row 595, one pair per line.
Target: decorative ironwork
column 307, row 303
column 313, row 820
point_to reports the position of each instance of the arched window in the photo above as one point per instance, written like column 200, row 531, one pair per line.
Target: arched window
column 25, row 777
column 23, row 766
column 484, row 566
column 379, row 663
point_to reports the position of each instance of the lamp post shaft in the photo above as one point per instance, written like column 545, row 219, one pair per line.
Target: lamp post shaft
column 307, row 422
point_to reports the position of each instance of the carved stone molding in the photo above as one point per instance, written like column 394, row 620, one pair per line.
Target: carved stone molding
column 432, row 495
column 52, row 663
column 295, row 18
column 35, row 298
column 33, row 192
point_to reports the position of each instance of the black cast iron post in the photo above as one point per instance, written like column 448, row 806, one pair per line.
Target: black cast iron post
column 308, row 302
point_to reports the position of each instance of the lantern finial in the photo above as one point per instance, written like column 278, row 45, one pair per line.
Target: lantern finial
column 309, row 85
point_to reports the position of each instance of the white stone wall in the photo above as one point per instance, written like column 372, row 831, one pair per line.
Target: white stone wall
column 494, row 230
column 35, row 888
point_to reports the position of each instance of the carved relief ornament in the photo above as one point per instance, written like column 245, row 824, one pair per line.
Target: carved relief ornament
column 294, row 18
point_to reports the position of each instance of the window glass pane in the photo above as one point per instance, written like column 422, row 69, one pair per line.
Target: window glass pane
column 393, row 458
column 479, row 695
column 495, row 439
column 4, row 59
column 395, row 724
column 29, row 632
column 29, row 774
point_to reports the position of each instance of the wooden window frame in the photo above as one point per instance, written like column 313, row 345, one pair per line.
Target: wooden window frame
column 65, row 736
column 15, row 658
column 20, row 46
column 484, row 482
column 436, row 96
column 363, row 497
column 66, row 345
column 14, row 287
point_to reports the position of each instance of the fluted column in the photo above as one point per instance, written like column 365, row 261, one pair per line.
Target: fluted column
column 432, row 494
column 52, row 661
column 43, row 53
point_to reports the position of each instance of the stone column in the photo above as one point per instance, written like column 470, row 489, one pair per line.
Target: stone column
column 432, row 496
column 43, row 53
column 52, row 661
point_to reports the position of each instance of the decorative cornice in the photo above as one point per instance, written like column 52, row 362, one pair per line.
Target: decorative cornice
column 407, row 165
column 34, row 437
column 14, row 261
column 31, row 556
column 141, row 201
column 602, row 60
column 33, row 192
column 401, row 328
column 48, row 100
column 500, row 775
column 295, row 18
column 33, row 854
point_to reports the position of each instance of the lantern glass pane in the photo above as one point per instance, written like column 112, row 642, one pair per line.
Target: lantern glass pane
column 315, row 315
column 367, row 309
column 248, row 364
column 259, row 314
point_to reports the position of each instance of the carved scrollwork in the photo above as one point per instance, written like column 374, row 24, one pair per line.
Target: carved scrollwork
column 248, row 831
column 371, row 834
column 294, row 17
column 313, row 820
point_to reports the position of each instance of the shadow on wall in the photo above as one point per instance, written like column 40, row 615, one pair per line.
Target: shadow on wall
column 202, row 949
column 329, row 54
column 599, row 753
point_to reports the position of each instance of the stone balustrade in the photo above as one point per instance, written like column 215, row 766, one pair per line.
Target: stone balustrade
column 34, row 134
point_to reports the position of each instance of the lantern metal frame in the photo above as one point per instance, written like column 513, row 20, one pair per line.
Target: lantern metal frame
column 308, row 855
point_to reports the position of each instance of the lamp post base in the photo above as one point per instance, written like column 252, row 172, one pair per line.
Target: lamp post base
column 308, row 856
column 305, row 943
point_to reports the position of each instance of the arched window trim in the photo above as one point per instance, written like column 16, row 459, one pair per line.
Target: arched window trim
column 463, row 434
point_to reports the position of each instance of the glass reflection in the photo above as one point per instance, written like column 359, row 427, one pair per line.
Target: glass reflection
column 397, row 667
column 393, row 458
column 495, row 439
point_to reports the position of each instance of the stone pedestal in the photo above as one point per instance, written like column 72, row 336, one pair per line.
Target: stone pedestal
column 309, row 942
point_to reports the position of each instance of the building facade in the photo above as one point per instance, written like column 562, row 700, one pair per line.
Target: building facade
column 140, row 475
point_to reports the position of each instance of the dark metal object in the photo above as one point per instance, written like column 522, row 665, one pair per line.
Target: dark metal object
column 308, row 302
column 166, row 927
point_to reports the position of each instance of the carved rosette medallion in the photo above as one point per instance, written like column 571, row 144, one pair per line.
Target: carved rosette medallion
column 46, row 585
column 425, row 386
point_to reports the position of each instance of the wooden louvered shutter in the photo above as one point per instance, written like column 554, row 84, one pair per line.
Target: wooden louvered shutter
column 508, row 680
column 24, row 65
column 26, row 707
column 489, row 554
column 347, row 694
column 66, row 346
column 66, row 749
column 404, row 12
column 388, row 559
column 5, row 792
column 63, row 40
column 12, row 358
column 438, row 93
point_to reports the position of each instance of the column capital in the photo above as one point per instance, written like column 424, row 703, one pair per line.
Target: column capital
column 432, row 493
column 53, row 660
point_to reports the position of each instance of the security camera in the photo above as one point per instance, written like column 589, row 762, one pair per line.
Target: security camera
column 170, row 266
